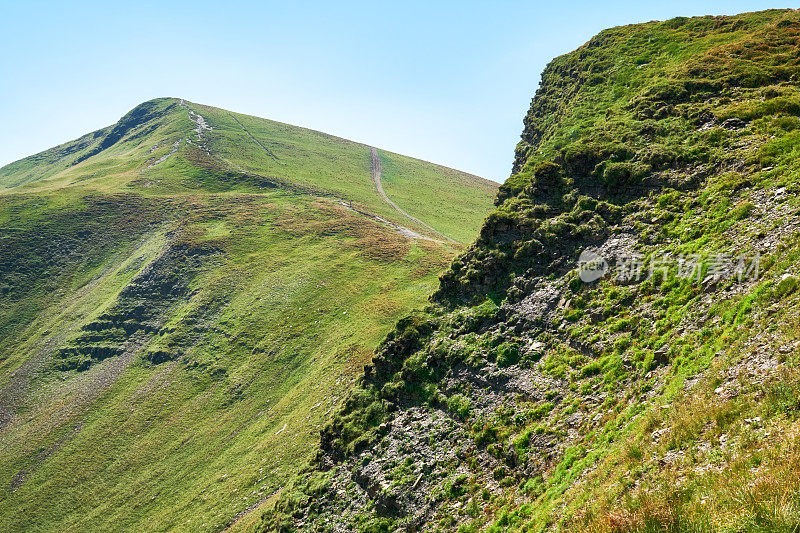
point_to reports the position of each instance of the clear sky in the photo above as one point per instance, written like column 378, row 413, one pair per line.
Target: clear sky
column 447, row 81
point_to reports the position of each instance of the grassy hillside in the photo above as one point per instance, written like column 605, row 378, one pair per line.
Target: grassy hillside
column 186, row 296
column 660, row 394
column 151, row 151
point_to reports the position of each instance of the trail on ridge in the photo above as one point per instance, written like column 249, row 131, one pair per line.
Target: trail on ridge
column 376, row 178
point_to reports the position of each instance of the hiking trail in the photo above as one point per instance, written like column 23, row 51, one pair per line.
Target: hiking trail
column 376, row 178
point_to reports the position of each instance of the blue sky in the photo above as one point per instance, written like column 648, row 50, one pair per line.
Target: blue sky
column 448, row 82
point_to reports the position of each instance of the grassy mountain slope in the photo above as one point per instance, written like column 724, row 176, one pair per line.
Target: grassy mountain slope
column 661, row 397
column 186, row 296
column 151, row 151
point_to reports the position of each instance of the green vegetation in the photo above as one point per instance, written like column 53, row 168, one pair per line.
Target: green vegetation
column 659, row 402
column 182, row 308
column 421, row 192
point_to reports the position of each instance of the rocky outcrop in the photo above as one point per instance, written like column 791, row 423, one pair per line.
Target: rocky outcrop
column 575, row 353
column 139, row 312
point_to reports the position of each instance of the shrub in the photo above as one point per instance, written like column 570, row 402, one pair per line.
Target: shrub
column 742, row 211
column 616, row 174
column 591, row 369
column 533, row 487
column 507, row 354
column 460, row 405
column 786, row 285
column 546, row 174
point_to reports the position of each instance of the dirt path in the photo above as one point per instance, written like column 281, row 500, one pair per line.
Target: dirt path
column 239, row 516
column 201, row 126
column 408, row 233
column 376, row 178
column 402, row 230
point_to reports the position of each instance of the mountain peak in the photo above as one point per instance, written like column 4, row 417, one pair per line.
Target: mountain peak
column 190, row 281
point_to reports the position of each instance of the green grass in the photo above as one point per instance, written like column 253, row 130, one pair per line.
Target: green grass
column 422, row 191
column 252, row 154
column 636, row 386
column 288, row 299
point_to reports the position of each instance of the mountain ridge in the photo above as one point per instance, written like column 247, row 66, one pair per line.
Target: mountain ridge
column 618, row 348
column 141, row 108
column 166, row 115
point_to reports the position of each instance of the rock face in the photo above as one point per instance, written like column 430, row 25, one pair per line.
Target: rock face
column 527, row 396
column 139, row 312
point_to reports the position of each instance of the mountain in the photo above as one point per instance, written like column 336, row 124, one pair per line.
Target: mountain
column 186, row 296
column 618, row 350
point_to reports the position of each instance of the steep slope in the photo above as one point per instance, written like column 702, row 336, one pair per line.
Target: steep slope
column 186, row 296
column 618, row 351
